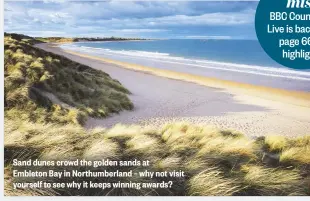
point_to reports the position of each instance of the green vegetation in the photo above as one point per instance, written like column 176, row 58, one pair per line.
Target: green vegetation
column 44, row 87
column 226, row 168
column 49, row 97
column 65, row 40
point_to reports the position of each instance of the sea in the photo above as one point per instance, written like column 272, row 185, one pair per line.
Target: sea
column 234, row 60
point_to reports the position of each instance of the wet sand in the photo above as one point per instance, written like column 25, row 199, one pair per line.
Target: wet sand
column 162, row 96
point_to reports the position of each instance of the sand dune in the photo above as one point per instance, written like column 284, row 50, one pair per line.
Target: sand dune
column 162, row 96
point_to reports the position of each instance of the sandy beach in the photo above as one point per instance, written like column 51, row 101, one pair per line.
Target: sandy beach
column 162, row 96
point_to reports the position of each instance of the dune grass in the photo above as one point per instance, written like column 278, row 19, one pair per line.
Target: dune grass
column 31, row 73
column 297, row 151
column 275, row 143
column 210, row 182
column 227, row 168
column 274, row 181
column 76, row 39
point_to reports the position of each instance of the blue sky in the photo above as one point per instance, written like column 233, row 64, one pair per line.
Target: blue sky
column 147, row 19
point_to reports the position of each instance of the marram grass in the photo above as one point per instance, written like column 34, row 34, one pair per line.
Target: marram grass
column 31, row 74
column 227, row 169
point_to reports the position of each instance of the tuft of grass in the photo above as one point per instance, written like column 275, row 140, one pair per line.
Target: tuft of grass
column 275, row 143
column 103, row 149
column 299, row 155
column 273, row 181
column 59, row 153
column 120, row 131
column 142, row 144
column 211, row 182
column 232, row 133
column 169, row 163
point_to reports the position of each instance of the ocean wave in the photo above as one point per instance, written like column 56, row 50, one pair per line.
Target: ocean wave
column 199, row 63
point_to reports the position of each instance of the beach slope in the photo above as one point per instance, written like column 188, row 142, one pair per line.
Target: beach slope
column 162, row 96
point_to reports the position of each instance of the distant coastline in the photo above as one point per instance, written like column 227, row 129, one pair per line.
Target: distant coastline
column 86, row 39
column 207, row 59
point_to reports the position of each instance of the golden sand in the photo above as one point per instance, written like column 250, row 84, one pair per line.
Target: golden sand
column 252, row 110
column 285, row 96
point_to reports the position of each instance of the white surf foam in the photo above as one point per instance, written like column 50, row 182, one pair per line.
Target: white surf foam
column 167, row 58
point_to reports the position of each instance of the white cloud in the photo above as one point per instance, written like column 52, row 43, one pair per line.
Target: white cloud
column 43, row 33
column 48, row 17
column 121, row 17
column 210, row 19
column 224, row 19
column 125, row 9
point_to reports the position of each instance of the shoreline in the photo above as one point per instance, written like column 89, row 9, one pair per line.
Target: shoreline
column 103, row 41
column 236, row 70
column 300, row 98
column 254, row 110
